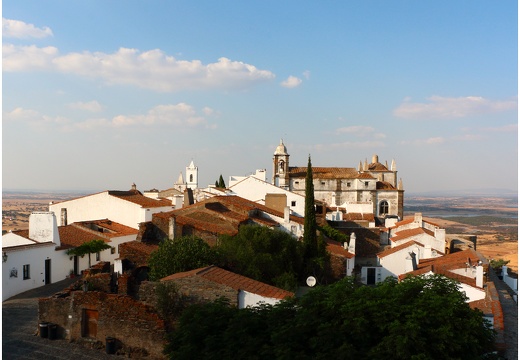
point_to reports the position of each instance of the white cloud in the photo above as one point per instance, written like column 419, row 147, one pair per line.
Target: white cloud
column 20, row 30
column 356, row 130
column 513, row 128
column 92, row 106
column 21, row 114
column 291, row 82
column 351, row 145
column 429, row 141
column 450, row 108
column 23, row 58
column 150, row 69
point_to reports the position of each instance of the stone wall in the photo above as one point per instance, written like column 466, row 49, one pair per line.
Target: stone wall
column 338, row 266
column 136, row 326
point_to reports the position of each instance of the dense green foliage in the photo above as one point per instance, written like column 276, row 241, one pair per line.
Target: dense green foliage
column 271, row 256
column 334, row 234
column 182, row 254
column 497, row 264
column 87, row 248
column 419, row 318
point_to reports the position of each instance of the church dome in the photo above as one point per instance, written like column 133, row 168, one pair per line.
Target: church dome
column 281, row 149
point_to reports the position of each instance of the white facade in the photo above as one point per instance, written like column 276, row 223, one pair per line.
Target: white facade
column 254, row 189
column 105, row 206
column 248, row 299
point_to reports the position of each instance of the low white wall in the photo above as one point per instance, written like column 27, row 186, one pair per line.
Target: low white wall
column 246, row 299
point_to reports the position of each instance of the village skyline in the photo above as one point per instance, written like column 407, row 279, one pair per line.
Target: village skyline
column 101, row 95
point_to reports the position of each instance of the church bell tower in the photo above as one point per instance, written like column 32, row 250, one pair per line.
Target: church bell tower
column 281, row 167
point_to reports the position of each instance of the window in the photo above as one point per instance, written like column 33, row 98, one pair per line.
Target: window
column 348, row 184
column 383, row 207
column 98, row 256
column 26, row 272
column 112, row 250
column 293, row 203
column 191, row 178
column 366, row 183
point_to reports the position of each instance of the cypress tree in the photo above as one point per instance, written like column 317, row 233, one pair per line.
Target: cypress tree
column 310, row 240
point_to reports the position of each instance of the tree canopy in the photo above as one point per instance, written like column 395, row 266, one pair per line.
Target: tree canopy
column 419, row 318
column 220, row 182
column 87, row 248
column 271, row 256
column 181, row 254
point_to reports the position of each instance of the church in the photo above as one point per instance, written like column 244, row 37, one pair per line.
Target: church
column 371, row 188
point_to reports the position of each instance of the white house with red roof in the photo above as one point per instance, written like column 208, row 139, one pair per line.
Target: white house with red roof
column 211, row 282
column 37, row 256
column 129, row 208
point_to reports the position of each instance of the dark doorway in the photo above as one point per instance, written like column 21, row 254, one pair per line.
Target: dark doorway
column 76, row 265
column 371, row 276
column 47, row 271
column 89, row 322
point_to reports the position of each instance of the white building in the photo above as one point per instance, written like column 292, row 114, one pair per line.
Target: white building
column 129, row 208
column 256, row 189
column 38, row 256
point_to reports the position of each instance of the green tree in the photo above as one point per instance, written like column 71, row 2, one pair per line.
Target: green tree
column 87, row 248
column 220, row 182
column 267, row 255
column 418, row 318
column 181, row 254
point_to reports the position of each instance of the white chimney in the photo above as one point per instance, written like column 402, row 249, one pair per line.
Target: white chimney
column 43, row 227
column 480, row 276
column 286, row 214
column 418, row 218
column 352, row 243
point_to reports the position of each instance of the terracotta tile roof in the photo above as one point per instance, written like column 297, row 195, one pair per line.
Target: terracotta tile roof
column 404, row 234
column 224, row 214
column 358, row 217
column 364, row 176
column 444, row 265
column 395, row 249
column 336, row 248
column 377, row 167
column 384, row 185
column 110, row 228
column 367, row 241
column 235, row 281
column 136, row 197
column 411, row 220
column 324, row 172
column 78, row 233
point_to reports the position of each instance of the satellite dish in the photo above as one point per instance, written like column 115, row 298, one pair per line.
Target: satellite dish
column 311, row 281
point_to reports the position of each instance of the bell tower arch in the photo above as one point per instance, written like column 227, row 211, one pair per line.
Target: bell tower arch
column 281, row 166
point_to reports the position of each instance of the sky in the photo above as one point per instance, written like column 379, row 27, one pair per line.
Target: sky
column 97, row 95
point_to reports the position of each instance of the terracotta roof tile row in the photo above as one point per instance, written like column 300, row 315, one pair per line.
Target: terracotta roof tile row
column 384, row 185
column 324, row 172
column 336, row 248
column 404, row 234
column 235, row 281
column 395, row 249
column 136, row 197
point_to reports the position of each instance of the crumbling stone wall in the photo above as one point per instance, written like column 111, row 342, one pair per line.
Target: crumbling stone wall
column 136, row 325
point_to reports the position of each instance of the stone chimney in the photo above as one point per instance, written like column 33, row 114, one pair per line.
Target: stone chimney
column 375, row 159
column 43, row 227
column 63, row 219
column 134, row 187
column 352, row 243
column 418, row 219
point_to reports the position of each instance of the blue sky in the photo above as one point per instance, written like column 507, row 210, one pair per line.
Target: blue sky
column 98, row 95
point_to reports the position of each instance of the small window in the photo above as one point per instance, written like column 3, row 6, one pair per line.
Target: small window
column 26, row 272
column 293, row 203
column 112, row 250
column 348, row 184
column 98, row 256
column 366, row 183
column 296, row 183
column 323, row 183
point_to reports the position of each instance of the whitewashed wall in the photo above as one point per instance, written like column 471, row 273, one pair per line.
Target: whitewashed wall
column 254, row 189
column 246, row 299
column 104, row 206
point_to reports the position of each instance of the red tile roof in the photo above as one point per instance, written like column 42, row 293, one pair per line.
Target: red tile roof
column 377, row 167
column 395, row 249
column 324, row 172
column 364, row 176
column 336, row 248
column 136, row 197
column 78, row 233
column 235, row 281
column 384, row 185
column 358, row 217
column 404, row 234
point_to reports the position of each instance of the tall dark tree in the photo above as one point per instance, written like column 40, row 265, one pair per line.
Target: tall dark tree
column 310, row 239
column 220, row 182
